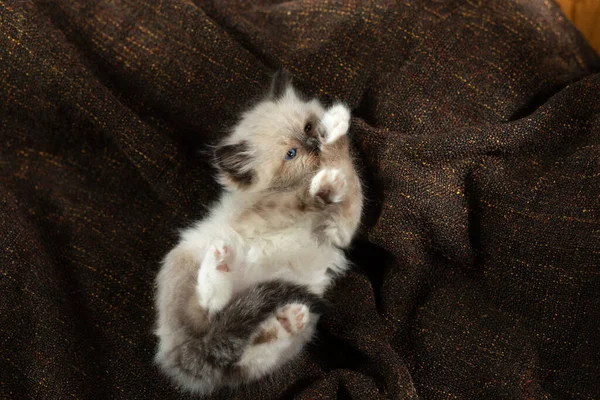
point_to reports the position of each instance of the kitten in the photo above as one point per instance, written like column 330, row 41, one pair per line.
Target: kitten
column 240, row 294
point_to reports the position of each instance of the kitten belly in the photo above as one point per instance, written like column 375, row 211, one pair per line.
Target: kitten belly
column 290, row 254
column 296, row 258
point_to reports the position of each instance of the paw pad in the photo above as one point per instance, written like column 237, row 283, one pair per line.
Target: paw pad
column 329, row 185
column 222, row 255
column 293, row 317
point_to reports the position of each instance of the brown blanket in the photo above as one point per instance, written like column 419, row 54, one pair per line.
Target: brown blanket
column 477, row 129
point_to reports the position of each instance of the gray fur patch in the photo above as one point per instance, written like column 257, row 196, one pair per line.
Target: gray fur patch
column 217, row 352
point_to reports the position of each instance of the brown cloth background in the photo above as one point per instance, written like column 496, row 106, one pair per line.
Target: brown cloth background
column 477, row 127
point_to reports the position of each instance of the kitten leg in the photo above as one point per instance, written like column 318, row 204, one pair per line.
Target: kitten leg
column 337, row 188
column 341, row 199
column 279, row 339
column 215, row 286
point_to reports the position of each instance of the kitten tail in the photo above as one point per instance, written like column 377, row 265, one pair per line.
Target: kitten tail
column 203, row 364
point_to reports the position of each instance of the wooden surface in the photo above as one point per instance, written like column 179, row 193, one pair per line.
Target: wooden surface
column 585, row 15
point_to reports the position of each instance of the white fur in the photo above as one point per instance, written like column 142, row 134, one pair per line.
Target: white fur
column 336, row 122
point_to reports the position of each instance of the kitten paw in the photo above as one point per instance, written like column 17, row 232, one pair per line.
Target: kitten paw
column 222, row 256
column 329, row 185
column 293, row 317
column 214, row 286
column 336, row 122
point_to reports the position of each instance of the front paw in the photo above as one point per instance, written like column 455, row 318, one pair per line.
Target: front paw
column 336, row 122
column 329, row 185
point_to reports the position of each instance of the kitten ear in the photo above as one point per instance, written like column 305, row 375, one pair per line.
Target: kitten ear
column 280, row 83
column 234, row 160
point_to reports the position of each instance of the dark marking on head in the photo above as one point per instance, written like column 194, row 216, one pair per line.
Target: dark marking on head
column 281, row 81
column 310, row 134
column 233, row 160
column 311, row 127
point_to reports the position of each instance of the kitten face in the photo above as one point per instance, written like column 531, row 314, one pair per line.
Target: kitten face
column 276, row 144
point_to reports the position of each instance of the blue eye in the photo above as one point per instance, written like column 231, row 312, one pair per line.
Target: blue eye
column 290, row 154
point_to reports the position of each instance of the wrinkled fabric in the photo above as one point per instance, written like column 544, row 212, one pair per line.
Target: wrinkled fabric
column 476, row 129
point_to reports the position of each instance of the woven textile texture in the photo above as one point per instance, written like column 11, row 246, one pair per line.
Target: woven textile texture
column 476, row 126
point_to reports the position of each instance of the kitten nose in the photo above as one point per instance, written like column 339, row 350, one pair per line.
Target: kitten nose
column 312, row 143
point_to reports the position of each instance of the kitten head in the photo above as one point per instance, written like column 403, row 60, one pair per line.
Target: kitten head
column 276, row 143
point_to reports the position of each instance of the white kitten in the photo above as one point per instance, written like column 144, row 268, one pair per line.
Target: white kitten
column 241, row 292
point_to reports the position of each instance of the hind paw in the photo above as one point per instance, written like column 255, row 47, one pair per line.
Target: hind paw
column 221, row 256
column 293, row 317
column 214, row 286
